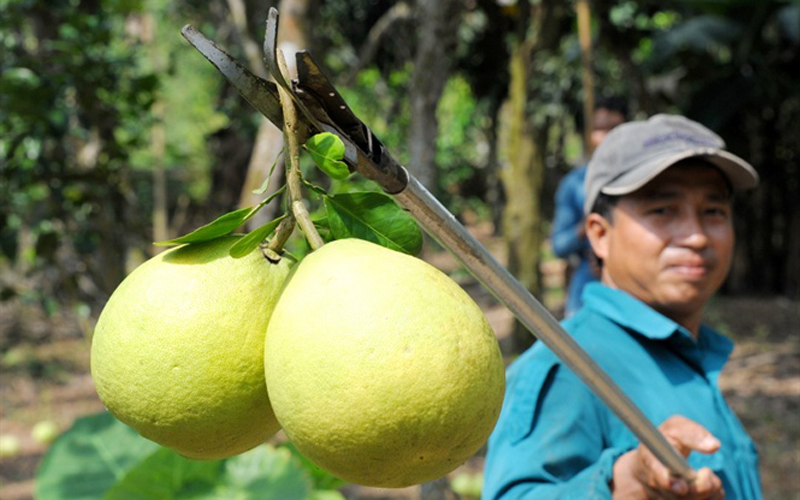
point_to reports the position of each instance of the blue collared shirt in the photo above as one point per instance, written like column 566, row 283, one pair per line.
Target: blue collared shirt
column 556, row 439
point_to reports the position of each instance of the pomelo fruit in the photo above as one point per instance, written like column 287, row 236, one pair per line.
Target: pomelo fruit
column 380, row 368
column 178, row 351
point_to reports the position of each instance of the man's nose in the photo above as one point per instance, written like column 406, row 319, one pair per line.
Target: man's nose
column 693, row 232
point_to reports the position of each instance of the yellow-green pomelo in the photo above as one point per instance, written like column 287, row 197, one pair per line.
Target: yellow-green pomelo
column 380, row 368
column 178, row 352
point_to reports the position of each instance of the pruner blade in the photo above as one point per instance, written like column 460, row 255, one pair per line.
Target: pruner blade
column 261, row 94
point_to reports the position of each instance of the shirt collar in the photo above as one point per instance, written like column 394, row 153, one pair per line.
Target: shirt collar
column 629, row 312
column 711, row 350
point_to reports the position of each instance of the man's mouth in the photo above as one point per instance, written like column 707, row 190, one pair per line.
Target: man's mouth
column 692, row 270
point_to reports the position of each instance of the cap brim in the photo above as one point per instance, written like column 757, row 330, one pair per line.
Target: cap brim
column 741, row 174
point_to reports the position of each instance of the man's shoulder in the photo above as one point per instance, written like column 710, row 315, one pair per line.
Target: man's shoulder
column 533, row 364
column 610, row 345
column 595, row 333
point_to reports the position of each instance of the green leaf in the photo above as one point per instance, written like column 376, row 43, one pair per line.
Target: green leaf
column 327, row 151
column 263, row 473
column 223, row 225
column 250, row 242
column 313, row 187
column 373, row 217
column 265, row 184
column 320, row 219
column 165, row 475
column 84, row 462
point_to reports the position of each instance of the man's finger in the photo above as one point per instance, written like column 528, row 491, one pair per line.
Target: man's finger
column 687, row 435
column 655, row 475
column 707, row 484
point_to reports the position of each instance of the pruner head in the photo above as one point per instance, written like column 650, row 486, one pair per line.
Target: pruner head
column 321, row 107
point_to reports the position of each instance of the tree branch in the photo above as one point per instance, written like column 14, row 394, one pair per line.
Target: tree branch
column 285, row 229
column 293, row 182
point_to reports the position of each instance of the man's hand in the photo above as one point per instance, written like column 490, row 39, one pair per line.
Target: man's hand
column 638, row 475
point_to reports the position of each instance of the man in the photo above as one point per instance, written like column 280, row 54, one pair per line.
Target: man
column 568, row 236
column 658, row 204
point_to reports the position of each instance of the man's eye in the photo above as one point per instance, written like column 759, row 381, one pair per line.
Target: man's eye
column 717, row 212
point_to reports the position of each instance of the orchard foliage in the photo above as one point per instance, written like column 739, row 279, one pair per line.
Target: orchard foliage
column 79, row 80
column 122, row 464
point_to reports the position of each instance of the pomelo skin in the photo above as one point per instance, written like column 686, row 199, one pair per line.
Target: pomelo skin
column 178, row 351
column 380, row 368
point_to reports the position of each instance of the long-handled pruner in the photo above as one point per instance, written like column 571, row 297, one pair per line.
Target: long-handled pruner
column 323, row 109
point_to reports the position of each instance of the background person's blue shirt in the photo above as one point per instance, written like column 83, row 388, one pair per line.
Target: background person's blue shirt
column 567, row 244
column 556, row 439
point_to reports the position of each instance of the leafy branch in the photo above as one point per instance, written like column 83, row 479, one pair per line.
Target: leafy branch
column 370, row 215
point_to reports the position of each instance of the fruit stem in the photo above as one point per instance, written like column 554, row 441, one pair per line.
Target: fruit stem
column 293, row 179
column 285, row 229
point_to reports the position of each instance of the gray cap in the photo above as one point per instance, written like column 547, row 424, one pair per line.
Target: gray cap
column 634, row 153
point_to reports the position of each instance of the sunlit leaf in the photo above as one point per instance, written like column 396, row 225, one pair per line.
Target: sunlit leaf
column 327, row 151
column 265, row 184
column 89, row 458
column 223, row 225
column 373, row 217
column 250, row 242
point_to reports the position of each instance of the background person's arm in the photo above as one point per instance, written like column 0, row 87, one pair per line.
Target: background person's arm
column 568, row 236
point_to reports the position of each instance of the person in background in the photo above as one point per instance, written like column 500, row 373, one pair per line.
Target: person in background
column 659, row 219
column 568, row 236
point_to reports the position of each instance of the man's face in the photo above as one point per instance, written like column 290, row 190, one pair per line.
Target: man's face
column 669, row 243
column 603, row 121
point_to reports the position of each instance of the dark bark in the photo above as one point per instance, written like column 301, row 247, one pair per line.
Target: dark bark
column 438, row 26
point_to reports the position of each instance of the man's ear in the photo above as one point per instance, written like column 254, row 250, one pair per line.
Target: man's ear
column 597, row 230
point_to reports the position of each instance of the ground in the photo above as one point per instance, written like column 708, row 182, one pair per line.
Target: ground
column 46, row 378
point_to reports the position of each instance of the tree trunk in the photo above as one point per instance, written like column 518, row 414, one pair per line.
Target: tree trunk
column 791, row 287
column 521, row 180
column 438, row 25
column 495, row 196
column 587, row 74
column 525, row 148
column 158, row 141
column 159, row 149
column 268, row 146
